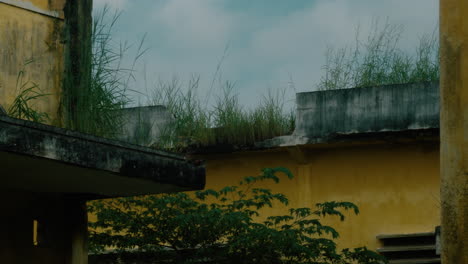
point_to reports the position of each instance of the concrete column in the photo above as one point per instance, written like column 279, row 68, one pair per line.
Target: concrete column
column 454, row 130
column 77, row 227
column 77, row 62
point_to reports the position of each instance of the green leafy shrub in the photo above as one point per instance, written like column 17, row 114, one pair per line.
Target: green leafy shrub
column 223, row 226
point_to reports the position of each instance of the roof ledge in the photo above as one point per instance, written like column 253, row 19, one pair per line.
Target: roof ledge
column 43, row 158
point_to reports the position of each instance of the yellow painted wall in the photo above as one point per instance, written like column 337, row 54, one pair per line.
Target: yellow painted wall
column 50, row 5
column 26, row 35
column 395, row 186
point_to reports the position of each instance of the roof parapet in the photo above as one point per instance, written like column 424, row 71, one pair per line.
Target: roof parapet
column 323, row 116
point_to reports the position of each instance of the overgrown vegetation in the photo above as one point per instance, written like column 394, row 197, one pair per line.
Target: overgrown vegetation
column 195, row 123
column 228, row 122
column 110, row 79
column 23, row 106
column 223, row 227
column 376, row 61
column 98, row 105
column 380, row 61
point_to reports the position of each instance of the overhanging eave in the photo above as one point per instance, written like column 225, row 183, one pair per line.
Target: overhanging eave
column 42, row 158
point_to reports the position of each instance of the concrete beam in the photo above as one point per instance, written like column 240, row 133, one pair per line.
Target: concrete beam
column 42, row 158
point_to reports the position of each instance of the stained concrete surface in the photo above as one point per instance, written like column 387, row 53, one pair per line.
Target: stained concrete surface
column 144, row 125
column 371, row 112
column 43, row 158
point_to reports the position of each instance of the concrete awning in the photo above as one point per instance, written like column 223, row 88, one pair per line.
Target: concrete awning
column 45, row 159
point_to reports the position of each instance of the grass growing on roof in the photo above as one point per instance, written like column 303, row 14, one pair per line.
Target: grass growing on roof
column 100, row 103
column 195, row 123
column 228, row 122
column 378, row 60
column 110, row 79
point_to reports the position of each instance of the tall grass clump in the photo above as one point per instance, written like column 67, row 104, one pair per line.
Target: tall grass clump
column 110, row 79
column 228, row 122
column 28, row 92
column 195, row 122
column 191, row 122
column 237, row 125
column 378, row 60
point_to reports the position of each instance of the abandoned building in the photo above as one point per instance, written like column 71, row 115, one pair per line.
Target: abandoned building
column 48, row 173
column 376, row 146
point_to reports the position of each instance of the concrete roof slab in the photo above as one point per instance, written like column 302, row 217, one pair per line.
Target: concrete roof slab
column 42, row 158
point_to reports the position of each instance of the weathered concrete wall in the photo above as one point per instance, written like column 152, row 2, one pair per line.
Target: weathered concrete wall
column 27, row 35
column 323, row 114
column 454, row 130
column 144, row 125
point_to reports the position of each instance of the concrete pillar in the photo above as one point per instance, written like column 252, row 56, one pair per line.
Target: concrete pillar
column 77, row 62
column 454, row 130
column 19, row 211
column 77, row 227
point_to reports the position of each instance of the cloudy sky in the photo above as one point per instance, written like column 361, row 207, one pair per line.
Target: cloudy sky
column 269, row 42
